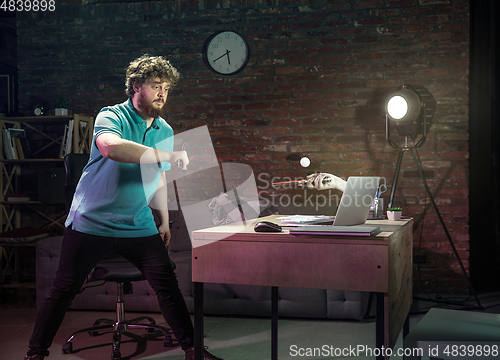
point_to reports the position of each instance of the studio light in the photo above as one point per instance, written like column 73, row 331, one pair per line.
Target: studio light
column 410, row 109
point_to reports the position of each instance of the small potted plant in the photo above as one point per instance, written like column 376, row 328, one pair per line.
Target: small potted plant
column 61, row 105
column 394, row 213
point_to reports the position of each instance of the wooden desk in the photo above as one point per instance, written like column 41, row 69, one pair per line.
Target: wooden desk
column 235, row 254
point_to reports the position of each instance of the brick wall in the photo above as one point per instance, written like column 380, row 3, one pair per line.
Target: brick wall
column 316, row 83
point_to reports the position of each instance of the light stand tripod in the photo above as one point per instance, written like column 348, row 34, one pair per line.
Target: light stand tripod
column 409, row 149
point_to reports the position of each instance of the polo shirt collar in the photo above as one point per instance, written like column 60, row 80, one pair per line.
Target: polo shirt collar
column 137, row 118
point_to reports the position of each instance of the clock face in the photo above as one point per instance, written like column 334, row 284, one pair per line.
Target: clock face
column 226, row 52
column 38, row 110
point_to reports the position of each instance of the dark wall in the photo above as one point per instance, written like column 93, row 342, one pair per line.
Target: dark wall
column 485, row 147
column 8, row 63
column 316, row 83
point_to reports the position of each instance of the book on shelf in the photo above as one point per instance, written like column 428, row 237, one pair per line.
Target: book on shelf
column 67, row 139
column 19, row 148
column 21, row 143
column 7, row 145
column 69, row 142
column 62, row 150
column 15, row 144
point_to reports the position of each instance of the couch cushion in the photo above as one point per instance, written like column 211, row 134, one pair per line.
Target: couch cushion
column 308, row 303
column 347, row 304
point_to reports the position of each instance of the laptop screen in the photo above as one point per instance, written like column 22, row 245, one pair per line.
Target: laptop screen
column 356, row 200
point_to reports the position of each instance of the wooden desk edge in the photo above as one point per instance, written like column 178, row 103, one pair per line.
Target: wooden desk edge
column 239, row 230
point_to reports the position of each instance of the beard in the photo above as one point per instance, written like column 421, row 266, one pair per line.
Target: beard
column 150, row 108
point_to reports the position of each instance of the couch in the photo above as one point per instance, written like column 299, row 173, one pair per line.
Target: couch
column 220, row 299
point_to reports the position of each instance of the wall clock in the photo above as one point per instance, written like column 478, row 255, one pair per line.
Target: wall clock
column 226, row 52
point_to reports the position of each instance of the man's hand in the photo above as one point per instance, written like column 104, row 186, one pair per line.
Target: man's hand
column 164, row 231
column 180, row 158
column 324, row 181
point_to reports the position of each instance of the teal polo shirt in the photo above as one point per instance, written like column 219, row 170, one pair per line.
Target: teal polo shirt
column 111, row 198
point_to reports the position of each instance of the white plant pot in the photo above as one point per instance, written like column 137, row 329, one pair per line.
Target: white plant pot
column 394, row 215
column 61, row 112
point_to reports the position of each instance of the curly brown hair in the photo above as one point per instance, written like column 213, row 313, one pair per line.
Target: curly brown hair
column 147, row 67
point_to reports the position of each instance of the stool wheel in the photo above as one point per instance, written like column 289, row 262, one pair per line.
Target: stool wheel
column 116, row 355
column 167, row 341
column 95, row 332
column 67, row 348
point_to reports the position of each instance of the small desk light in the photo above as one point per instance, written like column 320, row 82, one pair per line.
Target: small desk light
column 305, row 162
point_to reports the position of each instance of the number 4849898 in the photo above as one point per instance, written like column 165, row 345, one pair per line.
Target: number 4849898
column 28, row 5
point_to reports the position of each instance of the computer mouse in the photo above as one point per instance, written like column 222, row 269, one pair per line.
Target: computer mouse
column 267, row 226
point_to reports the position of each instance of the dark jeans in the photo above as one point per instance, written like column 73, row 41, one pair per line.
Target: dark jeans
column 79, row 255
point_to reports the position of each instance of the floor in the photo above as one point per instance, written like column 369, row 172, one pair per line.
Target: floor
column 231, row 338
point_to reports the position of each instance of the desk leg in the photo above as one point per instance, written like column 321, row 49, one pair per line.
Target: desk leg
column 198, row 321
column 379, row 323
column 274, row 323
column 382, row 325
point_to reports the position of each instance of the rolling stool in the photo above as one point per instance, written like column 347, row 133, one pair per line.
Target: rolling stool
column 122, row 272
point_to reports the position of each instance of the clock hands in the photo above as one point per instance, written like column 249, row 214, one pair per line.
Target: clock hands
column 224, row 44
column 226, row 53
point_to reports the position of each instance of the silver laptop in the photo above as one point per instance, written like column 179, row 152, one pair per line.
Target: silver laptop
column 356, row 200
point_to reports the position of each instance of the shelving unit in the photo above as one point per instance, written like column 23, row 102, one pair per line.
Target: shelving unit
column 10, row 170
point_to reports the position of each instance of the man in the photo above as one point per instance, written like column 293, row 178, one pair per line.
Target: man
column 111, row 212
